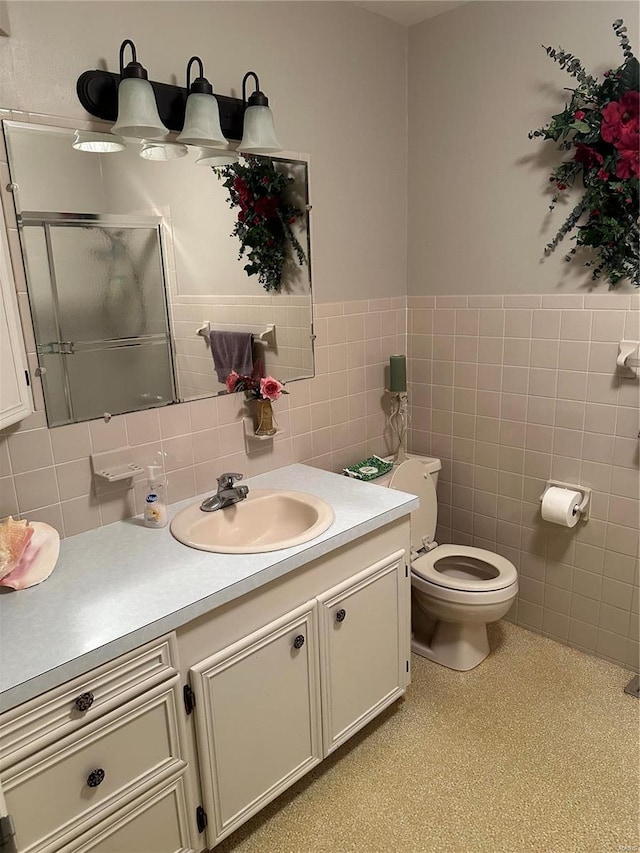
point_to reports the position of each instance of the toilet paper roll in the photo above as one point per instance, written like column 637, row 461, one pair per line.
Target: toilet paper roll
column 560, row 506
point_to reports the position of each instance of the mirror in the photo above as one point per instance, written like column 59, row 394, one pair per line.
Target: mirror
column 130, row 264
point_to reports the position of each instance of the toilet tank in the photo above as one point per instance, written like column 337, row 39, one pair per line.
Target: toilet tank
column 432, row 465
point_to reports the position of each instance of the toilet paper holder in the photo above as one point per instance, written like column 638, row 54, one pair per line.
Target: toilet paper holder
column 583, row 507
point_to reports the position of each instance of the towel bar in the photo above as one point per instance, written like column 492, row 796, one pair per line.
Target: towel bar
column 267, row 337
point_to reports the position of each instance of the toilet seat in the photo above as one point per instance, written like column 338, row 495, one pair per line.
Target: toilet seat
column 501, row 573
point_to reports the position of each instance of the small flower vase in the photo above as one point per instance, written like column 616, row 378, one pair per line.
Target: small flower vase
column 264, row 418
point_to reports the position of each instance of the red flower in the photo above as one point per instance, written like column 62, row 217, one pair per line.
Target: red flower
column 244, row 196
column 620, row 120
column 629, row 137
column 562, row 186
column 267, row 206
column 579, row 115
column 231, row 381
column 270, row 388
column 588, row 156
column 604, row 176
column 628, row 165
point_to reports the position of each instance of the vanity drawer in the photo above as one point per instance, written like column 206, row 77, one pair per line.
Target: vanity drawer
column 154, row 823
column 63, row 710
column 54, row 794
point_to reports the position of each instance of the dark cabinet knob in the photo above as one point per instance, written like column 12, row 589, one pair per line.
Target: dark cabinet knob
column 298, row 643
column 84, row 701
column 95, row 778
column 340, row 615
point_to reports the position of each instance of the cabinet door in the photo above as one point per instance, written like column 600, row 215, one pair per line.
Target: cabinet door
column 364, row 651
column 15, row 394
column 257, row 718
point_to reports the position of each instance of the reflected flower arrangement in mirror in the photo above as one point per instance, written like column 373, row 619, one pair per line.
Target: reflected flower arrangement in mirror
column 265, row 218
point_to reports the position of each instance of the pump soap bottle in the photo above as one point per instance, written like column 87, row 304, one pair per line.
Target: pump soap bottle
column 155, row 508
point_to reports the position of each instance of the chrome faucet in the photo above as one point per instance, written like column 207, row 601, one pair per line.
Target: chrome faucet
column 227, row 493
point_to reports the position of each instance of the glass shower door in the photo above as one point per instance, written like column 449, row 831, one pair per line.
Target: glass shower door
column 102, row 330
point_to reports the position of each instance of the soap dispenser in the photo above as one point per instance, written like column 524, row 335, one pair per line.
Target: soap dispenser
column 155, row 508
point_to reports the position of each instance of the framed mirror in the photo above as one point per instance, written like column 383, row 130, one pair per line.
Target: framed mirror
column 131, row 264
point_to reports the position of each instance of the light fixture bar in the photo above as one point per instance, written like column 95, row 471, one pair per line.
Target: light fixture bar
column 98, row 94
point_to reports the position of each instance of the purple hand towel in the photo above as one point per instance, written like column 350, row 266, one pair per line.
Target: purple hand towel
column 232, row 351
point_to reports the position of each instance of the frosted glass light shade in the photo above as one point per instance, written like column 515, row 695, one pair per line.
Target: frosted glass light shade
column 162, row 151
column 259, row 136
column 215, row 157
column 97, row 143
column 137, row 111
column 202, row 121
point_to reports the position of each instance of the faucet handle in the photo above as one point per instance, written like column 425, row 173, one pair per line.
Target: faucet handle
column 226, row 481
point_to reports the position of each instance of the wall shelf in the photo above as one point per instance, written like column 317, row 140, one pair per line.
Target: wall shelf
column 250, row 431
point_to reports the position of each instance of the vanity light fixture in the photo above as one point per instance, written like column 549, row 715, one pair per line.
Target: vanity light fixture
column 259, row 134
column 97, row 143
column 138, row 115
column 147, row 110
column 202, row 116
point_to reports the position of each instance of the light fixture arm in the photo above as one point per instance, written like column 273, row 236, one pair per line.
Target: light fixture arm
column 200, row 85
column 133, row 69
column 258, row 99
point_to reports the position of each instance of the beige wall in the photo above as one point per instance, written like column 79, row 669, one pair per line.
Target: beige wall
column 335, row 75
column 479, row 81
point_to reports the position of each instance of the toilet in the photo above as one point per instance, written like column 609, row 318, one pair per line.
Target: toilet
column 456, row 590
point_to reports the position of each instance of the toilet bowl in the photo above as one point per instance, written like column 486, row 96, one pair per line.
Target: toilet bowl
column 456, row 589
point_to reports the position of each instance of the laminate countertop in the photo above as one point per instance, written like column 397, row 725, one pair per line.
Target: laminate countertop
column 122, row 585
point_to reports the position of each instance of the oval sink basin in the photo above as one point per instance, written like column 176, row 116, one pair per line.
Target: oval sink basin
column 266, row 520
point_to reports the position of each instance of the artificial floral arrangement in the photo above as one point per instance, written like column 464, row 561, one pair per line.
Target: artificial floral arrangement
column 600, row 126
column 255, row 387
column 265, row 217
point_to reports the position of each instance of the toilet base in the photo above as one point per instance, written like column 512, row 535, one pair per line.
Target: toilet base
column 457, row 645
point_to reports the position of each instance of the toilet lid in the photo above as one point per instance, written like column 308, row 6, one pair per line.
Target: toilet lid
column 465, row 568
column 413, row 477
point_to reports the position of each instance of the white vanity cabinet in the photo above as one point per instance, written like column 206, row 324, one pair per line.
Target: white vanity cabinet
column 172, row 746
column 88, row 759
column 278, row 695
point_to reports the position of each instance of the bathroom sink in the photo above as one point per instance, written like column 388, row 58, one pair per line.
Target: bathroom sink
column 266, row 520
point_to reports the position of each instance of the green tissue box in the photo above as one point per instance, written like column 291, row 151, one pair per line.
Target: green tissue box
column 369, row 469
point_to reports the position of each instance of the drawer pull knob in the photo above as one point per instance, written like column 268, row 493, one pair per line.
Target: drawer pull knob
column 84, row 701
column 95, row 778
column 340, row 615
column 298, row 643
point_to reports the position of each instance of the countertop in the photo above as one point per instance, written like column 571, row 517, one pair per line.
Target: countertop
column 119, row 586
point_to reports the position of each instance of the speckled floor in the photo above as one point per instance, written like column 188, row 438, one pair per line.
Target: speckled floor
column 535, row 751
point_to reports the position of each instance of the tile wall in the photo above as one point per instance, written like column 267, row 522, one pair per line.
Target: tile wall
column 509, row 391
column 332, row 420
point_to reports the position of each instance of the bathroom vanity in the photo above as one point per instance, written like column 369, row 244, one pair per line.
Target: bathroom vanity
column 155, row 696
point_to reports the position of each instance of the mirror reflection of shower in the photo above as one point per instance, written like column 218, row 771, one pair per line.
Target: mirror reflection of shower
column 98, row 301
column 123, row 272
